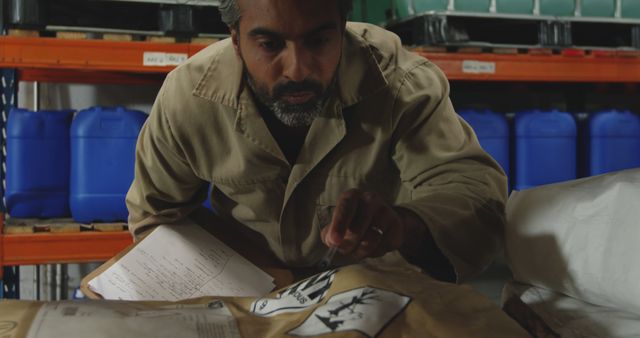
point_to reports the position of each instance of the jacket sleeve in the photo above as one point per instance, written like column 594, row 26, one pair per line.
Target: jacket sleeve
column 457, row 189
column 165, row 188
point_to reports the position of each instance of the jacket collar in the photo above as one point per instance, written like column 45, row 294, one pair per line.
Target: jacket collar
column 359, row 74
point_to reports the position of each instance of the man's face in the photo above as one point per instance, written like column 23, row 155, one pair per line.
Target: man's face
column 291, row 50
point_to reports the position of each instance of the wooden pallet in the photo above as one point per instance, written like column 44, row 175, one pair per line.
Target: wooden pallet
column 76, row 35
column 62, row 225
column 573, row 52
column 23, row 33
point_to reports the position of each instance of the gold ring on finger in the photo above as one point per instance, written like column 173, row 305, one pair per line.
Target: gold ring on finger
column 378, row 230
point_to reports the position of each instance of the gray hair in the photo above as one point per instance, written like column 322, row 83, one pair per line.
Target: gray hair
column 230, row 11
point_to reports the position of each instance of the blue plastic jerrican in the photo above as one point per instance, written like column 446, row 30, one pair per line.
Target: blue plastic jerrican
column 38, row 163
column 103, row 142
column 207, row 203
column 545, row 148
column 614, row 141
column 492, row 130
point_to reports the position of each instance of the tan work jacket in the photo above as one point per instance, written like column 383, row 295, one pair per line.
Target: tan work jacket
column 390, row 128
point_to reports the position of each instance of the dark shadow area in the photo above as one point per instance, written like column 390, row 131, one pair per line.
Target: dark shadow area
column 175, row 20
column 601, row 34
column 510, row 97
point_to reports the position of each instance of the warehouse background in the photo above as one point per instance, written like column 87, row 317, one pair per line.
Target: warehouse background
column 586, row 54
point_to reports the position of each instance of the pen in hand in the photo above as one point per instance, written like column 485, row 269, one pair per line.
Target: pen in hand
column 328, row 257
column 327, row 260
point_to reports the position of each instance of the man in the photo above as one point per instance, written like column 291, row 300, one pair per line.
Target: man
column 316, row 133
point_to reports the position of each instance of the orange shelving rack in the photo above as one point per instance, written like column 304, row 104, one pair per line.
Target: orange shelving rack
column 99, row 61
column 49, row 248
column 92, row 55
column 570, row 66
column 95, row 61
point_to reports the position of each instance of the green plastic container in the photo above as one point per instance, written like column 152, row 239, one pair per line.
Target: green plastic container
column 404, row 8
column 356, row 13
column 558, row 7
column 427, row 5
column 514, row 6
column 375, row 11
column 630, row 9
column 472, row 5
column 600, row 8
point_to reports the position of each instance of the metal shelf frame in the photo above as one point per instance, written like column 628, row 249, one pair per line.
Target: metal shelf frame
column 601, row 67
column 90, row 55
column 50, row 248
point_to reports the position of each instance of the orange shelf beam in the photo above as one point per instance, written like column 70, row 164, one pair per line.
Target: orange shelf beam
column 50, row 248
column 88, row 76
column 100, row 61
column 536, row 68
column 95, row 55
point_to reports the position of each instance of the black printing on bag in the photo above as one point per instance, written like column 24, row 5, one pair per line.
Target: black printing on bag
column 366, row 310
column 296, row 297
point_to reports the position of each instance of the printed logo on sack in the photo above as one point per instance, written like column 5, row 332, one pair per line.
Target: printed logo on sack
column 367, row 310
column 296, row 297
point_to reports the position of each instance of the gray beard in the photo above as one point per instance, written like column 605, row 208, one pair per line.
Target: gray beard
column 297, row 115
column 292, row 115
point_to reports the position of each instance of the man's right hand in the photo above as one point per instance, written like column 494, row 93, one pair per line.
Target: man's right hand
column 365, row 225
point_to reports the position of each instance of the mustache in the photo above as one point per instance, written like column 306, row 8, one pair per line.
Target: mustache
column 291, row 87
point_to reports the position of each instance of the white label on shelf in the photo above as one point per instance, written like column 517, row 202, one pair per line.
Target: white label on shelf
column 153, row 59
column 174, row 59
column 478, row 67
column 159, row 59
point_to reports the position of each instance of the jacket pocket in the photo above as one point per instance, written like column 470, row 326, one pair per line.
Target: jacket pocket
column 257, row 199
